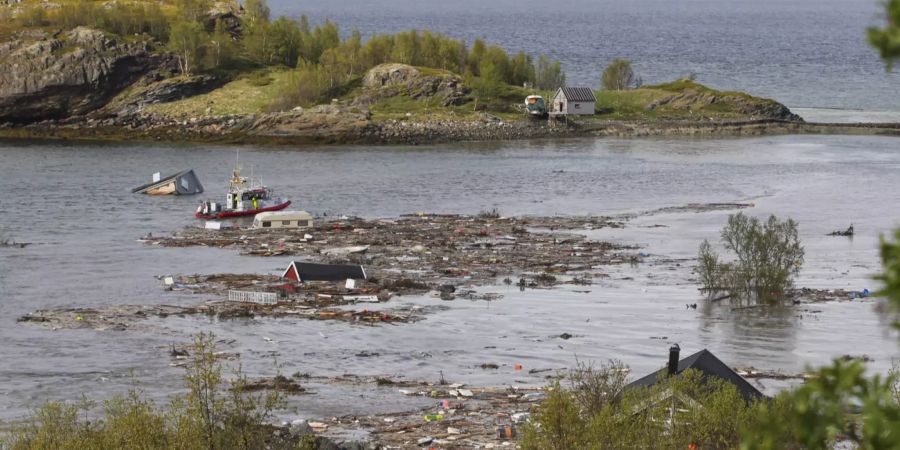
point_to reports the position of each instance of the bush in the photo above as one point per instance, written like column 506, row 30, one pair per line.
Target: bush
column 686, row 411
column 768, row 257
column 209, row 416
column 124, row 19
column 619, row 76
column 32, row 16
column 596, row 388
column 890, row 259
column 837, row 403
column 307, row 86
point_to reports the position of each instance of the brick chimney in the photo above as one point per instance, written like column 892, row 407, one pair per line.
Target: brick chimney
column 674, row 351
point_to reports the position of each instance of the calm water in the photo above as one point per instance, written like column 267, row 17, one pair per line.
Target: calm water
column 74, row 204
column 804, row 53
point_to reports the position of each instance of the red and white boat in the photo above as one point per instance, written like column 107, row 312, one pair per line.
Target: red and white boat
column 244, row 198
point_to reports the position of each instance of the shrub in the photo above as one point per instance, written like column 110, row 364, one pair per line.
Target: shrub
column 768, row 257
column 595, row 388
column 619, row 76
column 211, row 415
column 556, row 424
column 32, row 16
column 676, row 413
column 837, row 403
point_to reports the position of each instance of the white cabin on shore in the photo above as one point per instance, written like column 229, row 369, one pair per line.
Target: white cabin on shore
column 577, row 101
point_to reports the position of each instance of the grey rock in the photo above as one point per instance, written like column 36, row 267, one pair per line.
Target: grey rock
column 73, row 74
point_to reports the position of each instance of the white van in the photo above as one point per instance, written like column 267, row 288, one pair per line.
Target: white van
column 283, row 219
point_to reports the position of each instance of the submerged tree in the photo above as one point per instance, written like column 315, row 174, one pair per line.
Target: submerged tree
column 768, row 256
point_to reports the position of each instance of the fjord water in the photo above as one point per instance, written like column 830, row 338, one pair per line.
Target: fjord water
column 803, row 53
column 73, row 203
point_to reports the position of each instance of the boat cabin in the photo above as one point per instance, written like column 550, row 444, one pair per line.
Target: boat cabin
column 283, row 219
column 235, row 200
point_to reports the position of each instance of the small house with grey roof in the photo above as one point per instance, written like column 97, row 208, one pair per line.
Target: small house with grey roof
column 579, row 101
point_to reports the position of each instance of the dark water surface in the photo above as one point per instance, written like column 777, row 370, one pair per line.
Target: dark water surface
column 73, row 202
column 804, row 53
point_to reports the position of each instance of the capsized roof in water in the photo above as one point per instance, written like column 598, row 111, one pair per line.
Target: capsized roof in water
column 181, row 183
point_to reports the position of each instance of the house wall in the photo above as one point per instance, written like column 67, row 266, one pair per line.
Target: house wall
column 580, row 108
column 558, row 105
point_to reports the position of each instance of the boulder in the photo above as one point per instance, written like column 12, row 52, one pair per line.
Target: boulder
column 388, row 80
column 59, row 76
column 227, row 12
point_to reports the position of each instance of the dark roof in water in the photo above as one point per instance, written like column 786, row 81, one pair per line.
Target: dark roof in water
column 327, row 272
column 579, row 94
column 709, row 365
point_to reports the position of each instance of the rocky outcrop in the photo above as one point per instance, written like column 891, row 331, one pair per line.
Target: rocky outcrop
column 751, row 108
column 388, row 80
column 155, row 88
column 323, row 122
column 228, row 13
column 73, row 73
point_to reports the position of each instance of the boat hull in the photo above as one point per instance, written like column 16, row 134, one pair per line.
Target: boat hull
column 249, row 212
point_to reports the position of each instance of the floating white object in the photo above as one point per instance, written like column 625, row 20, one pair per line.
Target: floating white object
column 169, row 281
column 156, row 177
column 213, row 225
column 350, row 284
column 261, row 298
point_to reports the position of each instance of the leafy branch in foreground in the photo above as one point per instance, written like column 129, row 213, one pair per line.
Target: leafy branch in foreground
column 887, row 39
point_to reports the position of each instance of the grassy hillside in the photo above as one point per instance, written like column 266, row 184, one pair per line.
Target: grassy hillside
column 250, row 94
column 681, row 99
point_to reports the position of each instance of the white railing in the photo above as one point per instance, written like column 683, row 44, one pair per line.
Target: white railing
column 262, row 298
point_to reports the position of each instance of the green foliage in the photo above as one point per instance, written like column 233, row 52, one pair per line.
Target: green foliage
column 32, row 16
column 768, row 257
column 192, row 10
column 306, row 86
column 124, row 19
column 618, row 76
column 887, row 40
column 209, row 416
column 287, row 42
column 556, row 424
column 890, row 259
column 677, row 412
column 548, row 75
column 186, row 41
column 257, row 11
column 595, row 388
column 222, row 50
column 821, row 411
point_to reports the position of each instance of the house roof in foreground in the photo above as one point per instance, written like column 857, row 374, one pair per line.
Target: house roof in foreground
column 709, row 365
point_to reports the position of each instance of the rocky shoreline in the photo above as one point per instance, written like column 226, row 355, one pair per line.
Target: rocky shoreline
column 333, row 125
column 85, row 84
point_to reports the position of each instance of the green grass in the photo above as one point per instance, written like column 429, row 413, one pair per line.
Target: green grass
column 633, row 104
column 246, row 95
